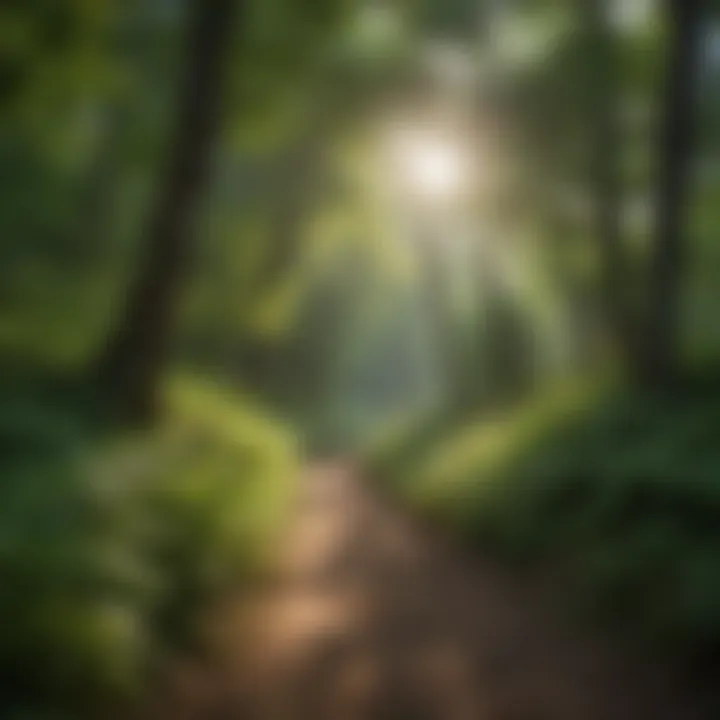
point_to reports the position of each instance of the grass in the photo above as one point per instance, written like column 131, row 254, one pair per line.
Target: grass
column 111, row 541
column 620, row 489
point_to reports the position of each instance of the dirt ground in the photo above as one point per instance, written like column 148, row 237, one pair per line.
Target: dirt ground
column 369, row 617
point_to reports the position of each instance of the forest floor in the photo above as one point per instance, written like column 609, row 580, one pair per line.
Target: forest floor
column 369, row 616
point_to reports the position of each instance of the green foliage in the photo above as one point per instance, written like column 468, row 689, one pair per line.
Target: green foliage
column 49, row 50
column 621, row 489
column 109, row 544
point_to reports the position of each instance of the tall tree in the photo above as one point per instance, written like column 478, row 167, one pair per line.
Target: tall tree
column 660, row 362
column 134, row 356
column 605, row 148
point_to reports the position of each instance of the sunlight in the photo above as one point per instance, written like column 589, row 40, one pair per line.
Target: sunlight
column 436, row 169
column 431, row 166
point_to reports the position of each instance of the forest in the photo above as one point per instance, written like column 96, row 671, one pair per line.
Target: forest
column 359, row 359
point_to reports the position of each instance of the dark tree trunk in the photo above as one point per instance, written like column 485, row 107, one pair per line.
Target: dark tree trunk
column 136, row 352
column 660, row 364
column 605, row 173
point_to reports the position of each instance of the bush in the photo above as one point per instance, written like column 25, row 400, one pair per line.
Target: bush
column 622, row 489
column 109, row 543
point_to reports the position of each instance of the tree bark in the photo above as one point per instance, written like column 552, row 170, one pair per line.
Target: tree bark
column 136, row 352
column 662, row 337
column 606, row 141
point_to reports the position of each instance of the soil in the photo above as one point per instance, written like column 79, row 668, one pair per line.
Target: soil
column 368, row 616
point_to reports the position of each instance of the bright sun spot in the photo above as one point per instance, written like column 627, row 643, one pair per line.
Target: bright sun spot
column 430, row 166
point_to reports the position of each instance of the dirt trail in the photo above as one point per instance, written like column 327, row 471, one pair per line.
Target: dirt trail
column 367, row 618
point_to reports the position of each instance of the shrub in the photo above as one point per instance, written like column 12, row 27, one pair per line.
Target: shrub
column 622, row 489
column 109, row 542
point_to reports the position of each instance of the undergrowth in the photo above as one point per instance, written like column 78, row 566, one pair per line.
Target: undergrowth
column 620, row 489
column 110, row 541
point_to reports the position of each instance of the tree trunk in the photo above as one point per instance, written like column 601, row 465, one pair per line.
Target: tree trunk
column 603, row 109
column 661, row 354
column 133, row 360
